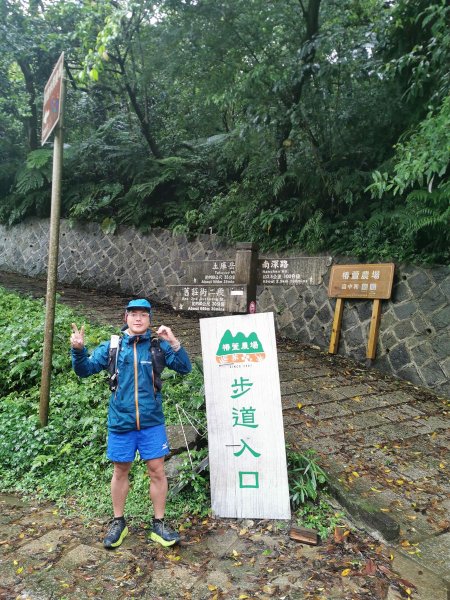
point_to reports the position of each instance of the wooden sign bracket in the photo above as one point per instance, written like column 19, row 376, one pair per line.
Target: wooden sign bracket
column 373, row 331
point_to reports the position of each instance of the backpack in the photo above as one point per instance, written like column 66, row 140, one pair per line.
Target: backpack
column 157, row 357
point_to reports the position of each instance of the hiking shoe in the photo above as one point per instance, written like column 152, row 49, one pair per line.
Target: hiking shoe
column 117, row 532
column 163, row 534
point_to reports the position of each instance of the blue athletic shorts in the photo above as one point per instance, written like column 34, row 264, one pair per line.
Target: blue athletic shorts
column 151, row 443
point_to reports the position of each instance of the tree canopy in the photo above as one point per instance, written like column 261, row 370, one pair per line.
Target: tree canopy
column 311, row 125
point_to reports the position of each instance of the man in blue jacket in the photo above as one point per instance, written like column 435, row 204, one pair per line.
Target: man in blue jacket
column 135, row 414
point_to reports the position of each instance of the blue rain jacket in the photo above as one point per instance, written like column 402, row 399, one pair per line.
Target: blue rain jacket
column 135, row 404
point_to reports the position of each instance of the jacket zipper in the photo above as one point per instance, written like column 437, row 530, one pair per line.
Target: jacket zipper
column 136, row 387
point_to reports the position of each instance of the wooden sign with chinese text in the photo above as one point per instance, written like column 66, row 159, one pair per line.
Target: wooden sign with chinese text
column 271, row 271
column 361, row 281
column 247, row 455
column 211, row 271
column 210, row 298
column 293, row 271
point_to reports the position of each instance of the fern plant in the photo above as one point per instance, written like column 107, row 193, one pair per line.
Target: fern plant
column 426, row 221
column 35, row 173
column 95, row 200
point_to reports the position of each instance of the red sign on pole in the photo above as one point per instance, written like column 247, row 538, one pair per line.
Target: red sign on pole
column 52, row 100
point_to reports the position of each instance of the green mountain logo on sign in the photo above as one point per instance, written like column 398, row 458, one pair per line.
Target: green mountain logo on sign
column 239, row 348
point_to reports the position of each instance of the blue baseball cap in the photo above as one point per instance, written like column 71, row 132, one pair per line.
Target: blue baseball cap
column 139, row 304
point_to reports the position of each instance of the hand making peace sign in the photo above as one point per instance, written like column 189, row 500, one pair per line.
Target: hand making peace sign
column 77, row 337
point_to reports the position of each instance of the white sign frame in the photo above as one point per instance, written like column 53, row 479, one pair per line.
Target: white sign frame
column 247, row 452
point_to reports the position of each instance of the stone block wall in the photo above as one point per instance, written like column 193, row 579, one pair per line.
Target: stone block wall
column 414, row 341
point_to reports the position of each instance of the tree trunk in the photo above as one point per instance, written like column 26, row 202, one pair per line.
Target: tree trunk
column 31, row 122
column 143, row 122
column 311, row 15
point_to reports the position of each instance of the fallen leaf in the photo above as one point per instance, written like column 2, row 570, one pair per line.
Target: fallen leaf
column 370, row 568
column 212, row 588
column 173, row 557
column 407, row 584
column 299, row 405
column 346, row 572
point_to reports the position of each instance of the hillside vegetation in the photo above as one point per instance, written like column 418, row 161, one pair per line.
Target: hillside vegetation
column 297, row 124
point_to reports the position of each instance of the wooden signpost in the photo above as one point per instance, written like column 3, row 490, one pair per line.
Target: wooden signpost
column 360, row 281
column 247, row 455
column 229, row 285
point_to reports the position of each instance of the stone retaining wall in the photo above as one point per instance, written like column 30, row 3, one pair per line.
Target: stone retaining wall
column 414, row 341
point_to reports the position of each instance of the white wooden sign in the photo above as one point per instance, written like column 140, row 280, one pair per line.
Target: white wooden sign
column 247, row 455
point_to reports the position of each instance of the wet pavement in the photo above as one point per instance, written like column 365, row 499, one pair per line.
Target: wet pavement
column 383, row 442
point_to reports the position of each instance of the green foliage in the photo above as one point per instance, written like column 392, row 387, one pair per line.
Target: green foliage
column 260, row 121
column 305, row 477
column 319, row 516
column 422, row 160
column 194, row 499
column 96, row 200
column 307, row 490
column 31, row 192
column 21, row 326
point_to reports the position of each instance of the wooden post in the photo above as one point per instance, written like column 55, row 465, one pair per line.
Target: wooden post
column 246, row 270
column 52, row 268
column 374, row 328
column 336, row 330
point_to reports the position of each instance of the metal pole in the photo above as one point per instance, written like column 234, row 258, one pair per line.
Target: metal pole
column 52, row 269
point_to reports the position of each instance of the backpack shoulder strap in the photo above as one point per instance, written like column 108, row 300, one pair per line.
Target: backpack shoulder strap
column 114, row 349
column 158, row 361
